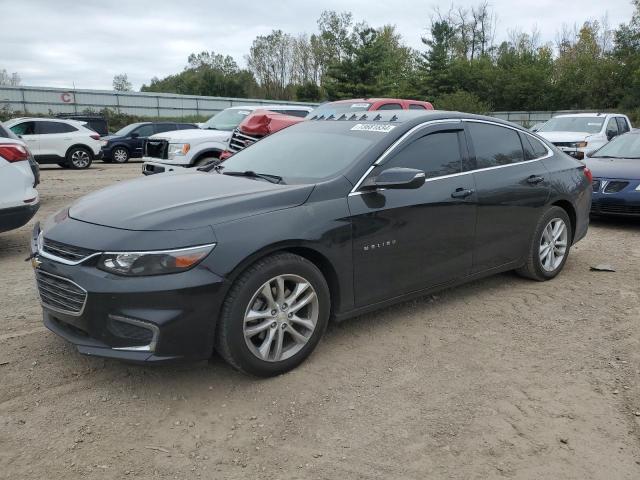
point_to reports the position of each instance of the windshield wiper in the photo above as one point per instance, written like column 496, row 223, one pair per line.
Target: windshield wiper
column 252, row 174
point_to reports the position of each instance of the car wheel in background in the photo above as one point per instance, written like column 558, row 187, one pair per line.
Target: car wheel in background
column 549, row 247
column 120, row 155
column 79, row 158
column 274, row 315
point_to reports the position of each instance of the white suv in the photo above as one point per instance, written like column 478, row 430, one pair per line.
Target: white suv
column 169, row 151
column 69, row 143
column 18, row 197
column 581, row 133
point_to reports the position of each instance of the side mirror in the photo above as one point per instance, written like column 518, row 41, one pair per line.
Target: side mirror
column 134, row 135
column 395, row 178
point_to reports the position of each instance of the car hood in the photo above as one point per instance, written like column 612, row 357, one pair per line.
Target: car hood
column 111, row 137
column 179, row 202
column 555, row 137
column 621, row 168
column 193, row 134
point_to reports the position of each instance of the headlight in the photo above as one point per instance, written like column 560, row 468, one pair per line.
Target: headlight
column 638, row 188
column 154, row 262
column 178, row 149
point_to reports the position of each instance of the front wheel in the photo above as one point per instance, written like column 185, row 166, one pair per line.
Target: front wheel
column 549, row 247
column 79, row 158
column 120, row 155
column 274, row 315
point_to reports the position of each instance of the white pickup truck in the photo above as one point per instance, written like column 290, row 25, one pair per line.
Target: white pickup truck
column 578, row 134
column 169, row 151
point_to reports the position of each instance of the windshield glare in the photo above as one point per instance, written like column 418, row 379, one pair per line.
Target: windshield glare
column 337, row 109
column 624, row 146
column 303, row 153
column 226, row 119
column 573, row 124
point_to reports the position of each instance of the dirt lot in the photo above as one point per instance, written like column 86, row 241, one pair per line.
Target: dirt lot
column 501, row 378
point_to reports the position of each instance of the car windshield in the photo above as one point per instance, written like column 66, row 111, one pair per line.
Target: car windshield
column 337, row 109
column 573, row 124
column 303, row 153
column 226, row 119
column 124, row 131
column 624, row 146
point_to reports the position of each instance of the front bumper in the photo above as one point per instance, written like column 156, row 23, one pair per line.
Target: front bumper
column 16, row 217
column 151, row 168
column 139, row 319
column 623, row 203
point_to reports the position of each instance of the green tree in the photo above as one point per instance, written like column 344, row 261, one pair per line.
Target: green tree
column 121, row 83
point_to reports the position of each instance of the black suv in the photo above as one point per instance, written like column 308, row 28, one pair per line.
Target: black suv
column 128, row 142
column 97, row 123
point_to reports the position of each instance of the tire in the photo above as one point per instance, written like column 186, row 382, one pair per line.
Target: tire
column 120, row 155
column 79, row 158
column 251, row 345
column 543, row 267
column 202, row 161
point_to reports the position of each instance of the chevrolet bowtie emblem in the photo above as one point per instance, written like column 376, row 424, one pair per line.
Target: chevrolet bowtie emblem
column 35, row 262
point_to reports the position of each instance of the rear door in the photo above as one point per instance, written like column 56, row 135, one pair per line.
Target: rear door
column 408, row 240
column 54, row 138
column 511, row 192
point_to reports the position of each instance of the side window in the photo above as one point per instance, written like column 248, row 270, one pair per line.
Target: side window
column 533, row 148
column 416, row 106
column 623, row 126
column 145, row 130
column 163, row 127
column 495, row 145
column 436, row 154
column 612, row 128
column 390, row 106
column 48, row 128
column 186, row 126
column 24, row 128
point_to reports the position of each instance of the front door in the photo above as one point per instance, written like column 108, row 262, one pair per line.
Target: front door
column 136, row 143
column 408, row 240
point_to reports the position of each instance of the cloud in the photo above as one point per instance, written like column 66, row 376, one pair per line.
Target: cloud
column 65, row 42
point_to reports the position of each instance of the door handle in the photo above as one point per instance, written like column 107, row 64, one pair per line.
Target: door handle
column 535, row 179
column 462, row 193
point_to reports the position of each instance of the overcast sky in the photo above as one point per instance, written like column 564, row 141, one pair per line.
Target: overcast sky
column 64, row 42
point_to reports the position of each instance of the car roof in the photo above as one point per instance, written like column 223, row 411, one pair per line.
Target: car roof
column 377, row 99
column 47, row 119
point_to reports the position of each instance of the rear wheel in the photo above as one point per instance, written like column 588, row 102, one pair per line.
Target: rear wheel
column 120, row 155
column 79, row 158
column 274, row 315
column 549, row 247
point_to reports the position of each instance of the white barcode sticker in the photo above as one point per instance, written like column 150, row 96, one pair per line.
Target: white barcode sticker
column 372, row 127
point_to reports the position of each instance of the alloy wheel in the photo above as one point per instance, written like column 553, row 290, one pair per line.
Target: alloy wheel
column 120, row 155
column 80, row 159
column 281, row 318
column 553, row 244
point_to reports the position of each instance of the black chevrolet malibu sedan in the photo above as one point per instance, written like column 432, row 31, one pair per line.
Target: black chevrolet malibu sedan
column 327, row 219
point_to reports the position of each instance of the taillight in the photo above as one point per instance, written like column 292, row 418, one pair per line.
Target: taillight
column 95, row 137
column 13, row 153
column 588, row 174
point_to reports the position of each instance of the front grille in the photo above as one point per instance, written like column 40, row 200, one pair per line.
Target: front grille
column 616, row 208
column 240, row 140
column 136, row 334
column 615, row 186
column 67, row 252
column 596, row 185
column 157, row 149
column 60, row 294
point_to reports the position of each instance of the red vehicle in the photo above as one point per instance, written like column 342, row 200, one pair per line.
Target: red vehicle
column 262, row 123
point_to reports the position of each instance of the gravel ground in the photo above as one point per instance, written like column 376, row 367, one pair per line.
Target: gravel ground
column 501, row 378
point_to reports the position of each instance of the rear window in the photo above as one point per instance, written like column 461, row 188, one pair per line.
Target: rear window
column 390, row 106
column 416, row 106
